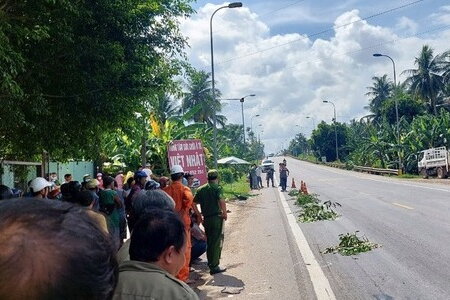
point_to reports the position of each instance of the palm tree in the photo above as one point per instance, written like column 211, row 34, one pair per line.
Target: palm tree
column 379, row 92
column 164, row 107
column 200, row 94
column 428, row 80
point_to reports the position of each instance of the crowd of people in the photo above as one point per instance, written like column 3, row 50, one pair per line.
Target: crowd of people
column 70, row 240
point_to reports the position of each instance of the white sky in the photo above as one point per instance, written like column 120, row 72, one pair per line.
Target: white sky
column 290, row 81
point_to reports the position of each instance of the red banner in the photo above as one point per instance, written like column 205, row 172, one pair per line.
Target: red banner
column 190, row 155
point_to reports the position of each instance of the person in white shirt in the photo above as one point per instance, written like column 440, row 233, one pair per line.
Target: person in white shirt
column 258, row 177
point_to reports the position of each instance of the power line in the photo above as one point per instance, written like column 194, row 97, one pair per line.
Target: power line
column 322, row 32
column 270, row 12
column 393, row 41
column 281, row 8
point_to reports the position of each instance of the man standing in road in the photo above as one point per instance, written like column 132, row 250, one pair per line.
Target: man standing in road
column 269, row 176
column 284, row 173
column 183, row 198
column 214, row 211
column 259, row 177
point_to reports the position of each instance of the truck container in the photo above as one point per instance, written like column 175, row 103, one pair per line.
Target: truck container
column 434, row 161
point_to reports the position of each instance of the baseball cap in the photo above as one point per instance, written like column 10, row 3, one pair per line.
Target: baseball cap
column 92, row 184
column 213, row 173
column 176, row 169
column 140, row 174
column 38, row 184
column 152, row 185
column 147, row 171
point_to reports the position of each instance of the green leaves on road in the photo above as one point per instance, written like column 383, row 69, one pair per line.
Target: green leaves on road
column 351, row 244
column 313, row 210
column 293, row 192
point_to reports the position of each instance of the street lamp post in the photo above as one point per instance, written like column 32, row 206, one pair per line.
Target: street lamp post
column 242, row 100
column 313, row 121
column 231, row 5
column 251, row 123
column 335, row 127
column 396, row 106
column 295, row 146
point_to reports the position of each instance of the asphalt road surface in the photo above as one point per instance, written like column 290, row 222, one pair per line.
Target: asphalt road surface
column 266, row 256
column 411, row 221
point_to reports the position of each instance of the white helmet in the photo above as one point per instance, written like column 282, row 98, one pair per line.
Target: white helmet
column 176, row 169
column 38, row 184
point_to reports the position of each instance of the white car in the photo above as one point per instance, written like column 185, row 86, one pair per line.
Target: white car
column 266, row 165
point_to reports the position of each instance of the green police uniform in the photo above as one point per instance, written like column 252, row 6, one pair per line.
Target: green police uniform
column 208, row 196
column 140, row 280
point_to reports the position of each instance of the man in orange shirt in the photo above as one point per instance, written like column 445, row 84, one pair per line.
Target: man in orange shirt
column 184, row 200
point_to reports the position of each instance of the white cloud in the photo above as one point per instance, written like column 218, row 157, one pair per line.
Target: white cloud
column 291, row 81
column 443, row 16
column 406, row 25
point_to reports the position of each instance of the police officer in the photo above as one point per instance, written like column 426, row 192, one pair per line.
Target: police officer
column 214, row 210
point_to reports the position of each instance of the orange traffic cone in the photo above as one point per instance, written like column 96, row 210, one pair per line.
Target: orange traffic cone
column 293, row 184
column 305, row 189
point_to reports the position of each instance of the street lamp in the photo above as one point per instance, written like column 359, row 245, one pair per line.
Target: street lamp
column 231, row 5
column 242, row 110
column 313, row 121
column 294, row 152
column 335, row 127
column 251, row 123
column 396, row 105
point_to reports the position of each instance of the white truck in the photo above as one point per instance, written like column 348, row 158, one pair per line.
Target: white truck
column 434, row 161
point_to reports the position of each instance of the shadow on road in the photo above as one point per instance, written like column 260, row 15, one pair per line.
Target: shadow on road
column 215, row 286
column 224, row 280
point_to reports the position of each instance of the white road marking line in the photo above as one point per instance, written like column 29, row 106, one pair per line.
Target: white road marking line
column 402, row 206
column 319, row 281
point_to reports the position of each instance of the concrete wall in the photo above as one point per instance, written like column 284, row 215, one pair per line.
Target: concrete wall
column 77, row 169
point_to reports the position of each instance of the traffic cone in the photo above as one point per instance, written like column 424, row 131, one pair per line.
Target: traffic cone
column 305, row 189
column 293, row 184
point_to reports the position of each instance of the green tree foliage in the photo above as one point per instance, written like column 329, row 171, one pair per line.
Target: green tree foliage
column 428, row 80
column 323, row 140
column 408, row 107
column 372, row 144
column 379, row 92
column 163, row 107
column 75, row 70
column 299, row 145
column 426, row 131
column 231, row 143
column 199, row 93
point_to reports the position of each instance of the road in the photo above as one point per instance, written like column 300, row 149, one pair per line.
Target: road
column 410, row 220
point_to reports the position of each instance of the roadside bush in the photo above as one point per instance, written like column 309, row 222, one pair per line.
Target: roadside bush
column 226, row 176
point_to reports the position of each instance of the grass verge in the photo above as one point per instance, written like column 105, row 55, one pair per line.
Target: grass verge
column 238, row 188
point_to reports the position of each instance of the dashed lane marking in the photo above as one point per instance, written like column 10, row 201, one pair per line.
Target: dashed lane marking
column 402, row 206
column 319, row 281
